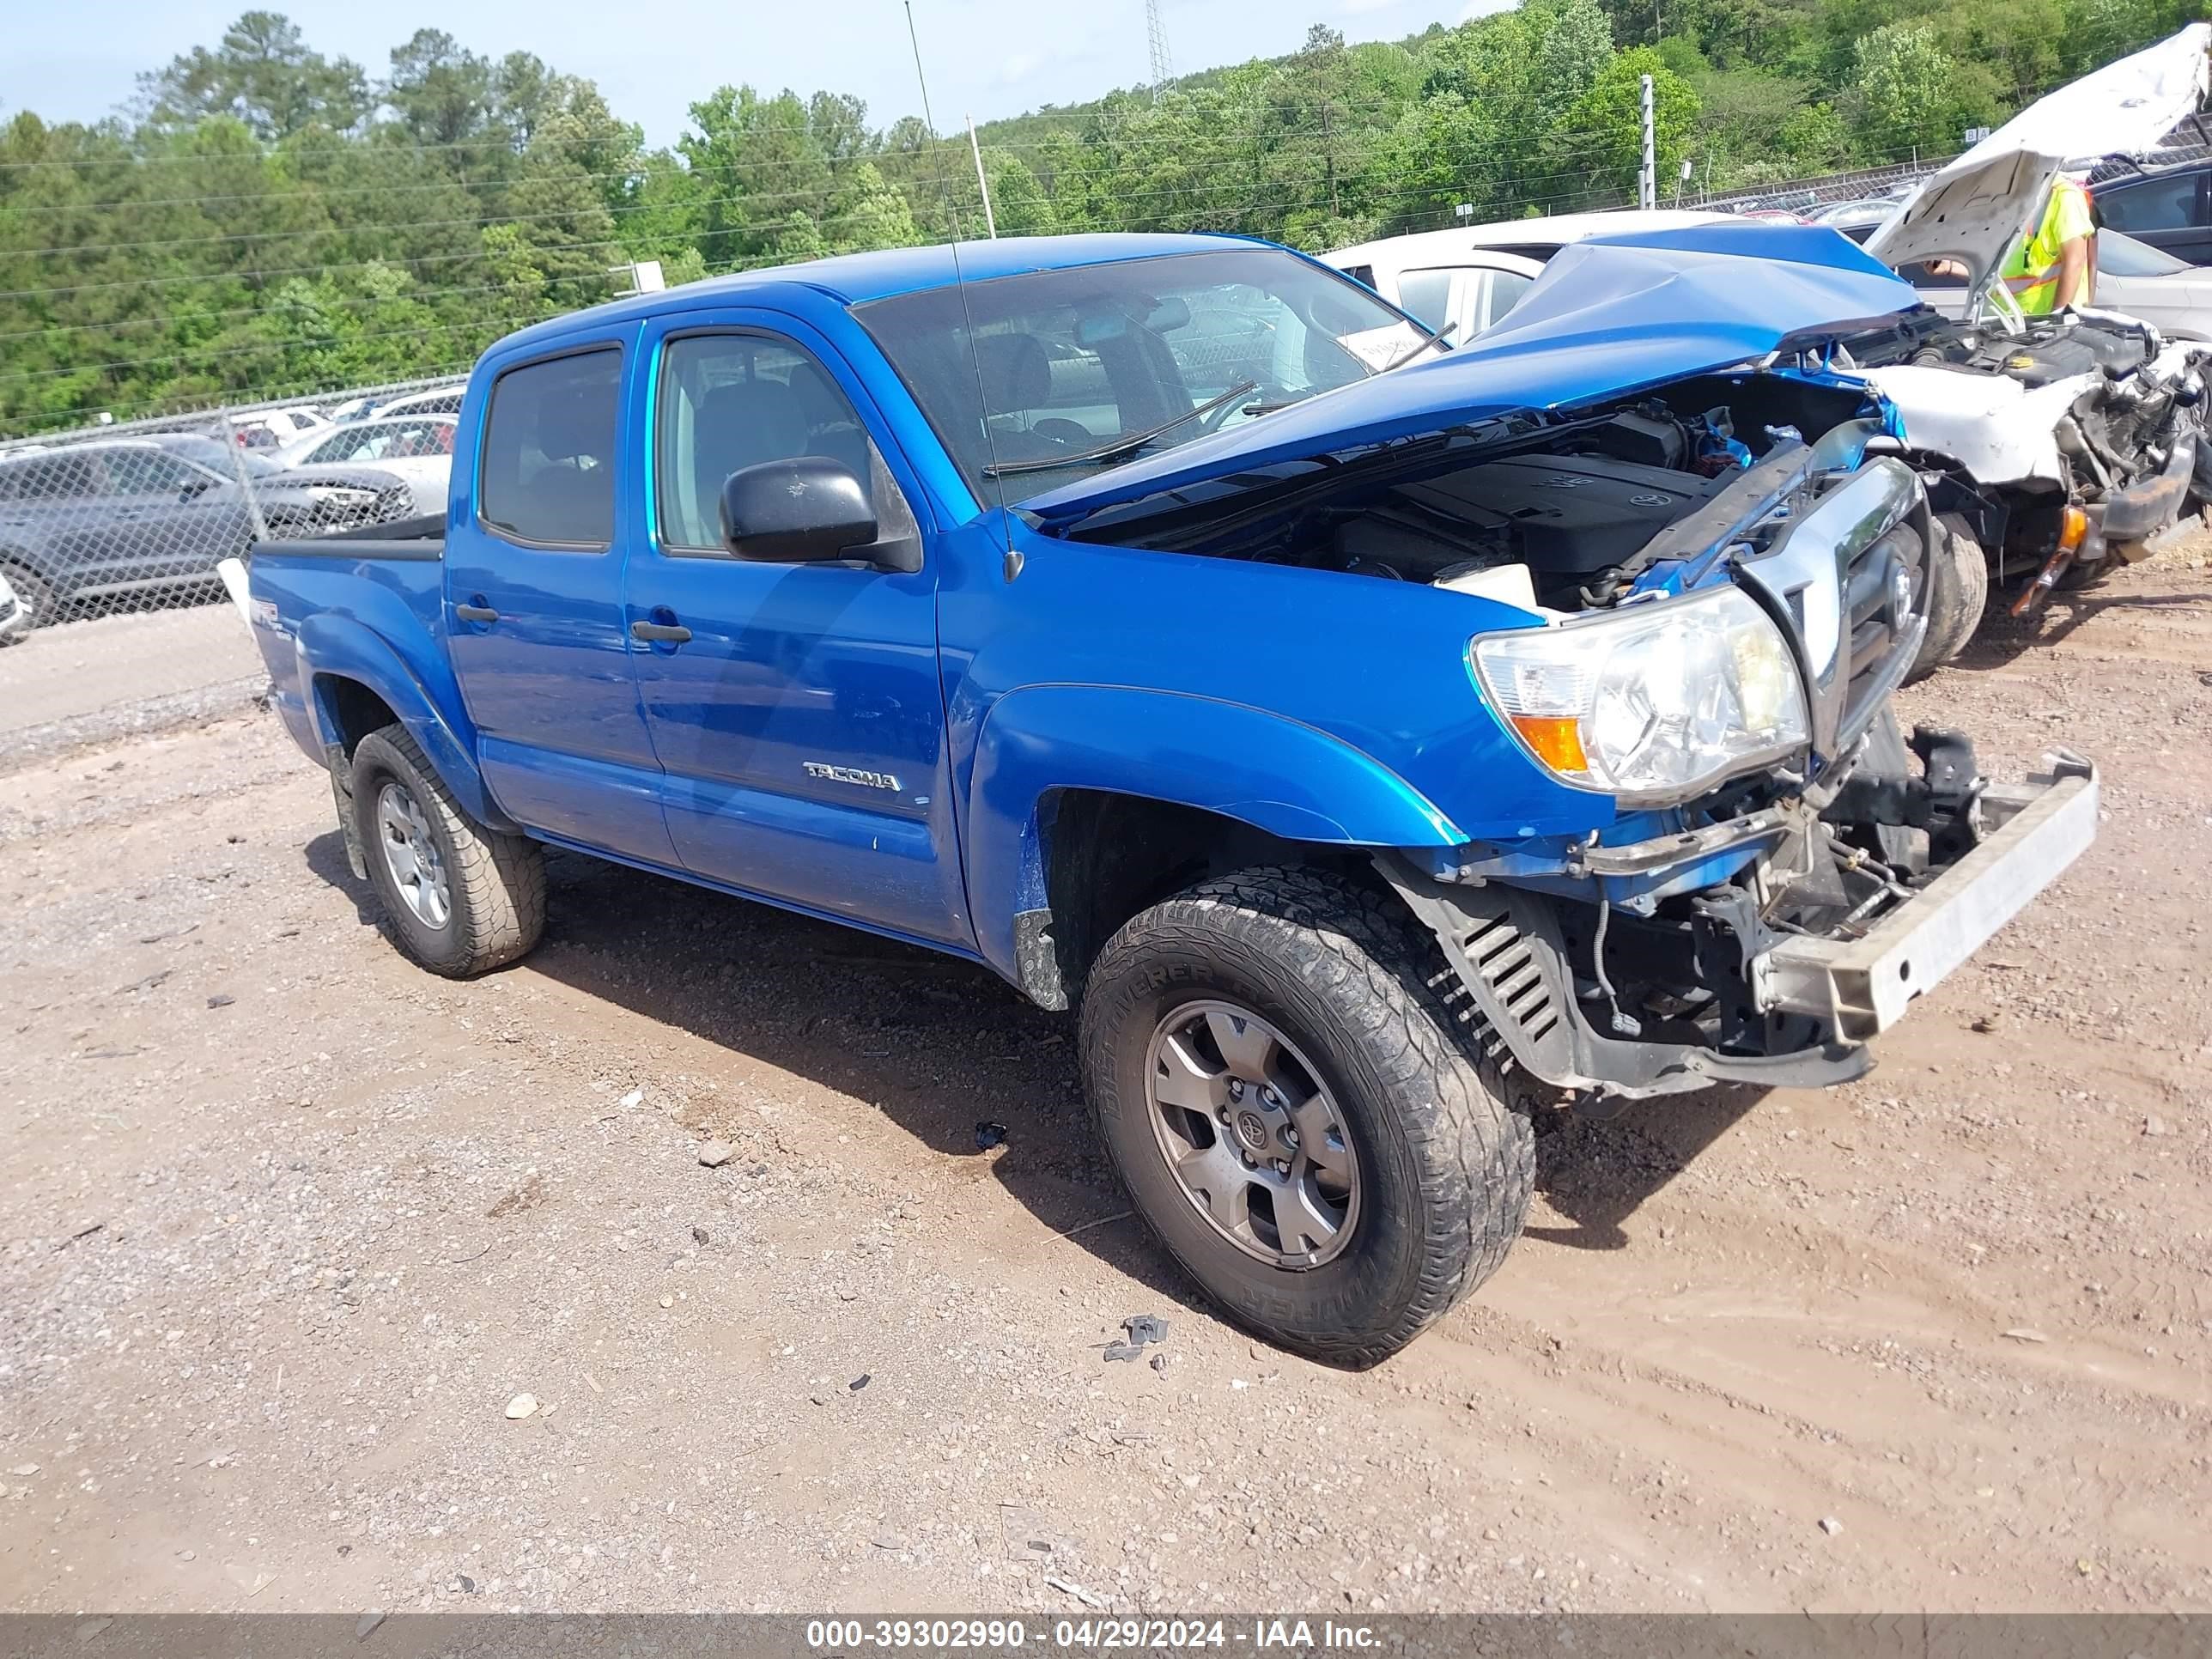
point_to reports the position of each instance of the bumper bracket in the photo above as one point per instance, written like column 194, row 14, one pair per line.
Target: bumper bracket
column 1862, row 987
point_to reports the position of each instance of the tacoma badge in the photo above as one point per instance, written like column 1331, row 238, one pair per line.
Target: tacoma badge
column 850, row 774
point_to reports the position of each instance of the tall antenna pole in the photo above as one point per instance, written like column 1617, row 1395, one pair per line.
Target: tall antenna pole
column 1155, row 37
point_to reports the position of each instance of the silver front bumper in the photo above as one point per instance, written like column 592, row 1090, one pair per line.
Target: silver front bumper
column 1863, row 985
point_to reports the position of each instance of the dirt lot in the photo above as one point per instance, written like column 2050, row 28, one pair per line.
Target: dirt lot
column 285, row 1223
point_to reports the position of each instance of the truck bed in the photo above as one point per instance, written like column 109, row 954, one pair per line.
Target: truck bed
column 370, row 600
column 419, row 540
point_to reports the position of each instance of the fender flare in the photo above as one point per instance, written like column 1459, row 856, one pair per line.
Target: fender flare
column 332, row 646
column 1287, row 779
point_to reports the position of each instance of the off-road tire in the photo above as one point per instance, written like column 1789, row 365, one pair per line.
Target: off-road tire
column 497, row 882
column 35, row 594
column 1446, row 1166
column 1958, row 593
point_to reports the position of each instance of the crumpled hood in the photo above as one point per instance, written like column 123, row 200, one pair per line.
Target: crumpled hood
column 1608, row 317
column 1972, row 208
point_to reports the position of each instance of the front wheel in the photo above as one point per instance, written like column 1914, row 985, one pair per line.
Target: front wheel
column 1957, row 592
column 462, row 898
column 1277, row 1088
column 35, row 595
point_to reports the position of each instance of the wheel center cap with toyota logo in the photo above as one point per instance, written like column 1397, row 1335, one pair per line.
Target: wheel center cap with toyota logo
column 1251, row 1130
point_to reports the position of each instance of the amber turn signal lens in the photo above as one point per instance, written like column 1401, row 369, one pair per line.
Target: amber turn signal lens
column 1555, row 741
column 2073, row 525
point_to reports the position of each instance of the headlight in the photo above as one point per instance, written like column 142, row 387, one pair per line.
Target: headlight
column 341, row 495
column 1651, row 703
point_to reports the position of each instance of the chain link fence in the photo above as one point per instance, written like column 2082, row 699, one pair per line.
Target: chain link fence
column 132, row 516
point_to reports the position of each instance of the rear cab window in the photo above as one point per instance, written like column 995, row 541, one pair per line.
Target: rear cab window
column 546, row 472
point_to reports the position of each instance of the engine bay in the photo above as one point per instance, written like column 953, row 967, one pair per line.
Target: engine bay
column 1567, row 517
column 2052, row 349
column 2132, row 401
column 1549, row 514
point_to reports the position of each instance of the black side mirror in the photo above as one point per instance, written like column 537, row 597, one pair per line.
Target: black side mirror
column 806, row 510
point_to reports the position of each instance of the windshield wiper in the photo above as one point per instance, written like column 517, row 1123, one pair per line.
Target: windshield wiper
column 1433, row 337
column 1121, row 445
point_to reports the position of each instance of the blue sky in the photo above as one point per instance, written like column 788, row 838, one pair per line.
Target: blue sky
column 987, row 57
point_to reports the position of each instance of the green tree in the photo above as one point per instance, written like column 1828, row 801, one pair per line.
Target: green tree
column 1905, row 87
column 1017, row 197
column 441, row 92
column 759, row 168
column 262, row 74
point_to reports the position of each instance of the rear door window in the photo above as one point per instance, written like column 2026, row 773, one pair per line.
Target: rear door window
column 547, row 475
column 62, row 477
column 2170, row 203
column 1506, row 288
column 1426, row 294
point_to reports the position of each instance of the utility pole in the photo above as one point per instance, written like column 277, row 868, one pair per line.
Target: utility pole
column 1328, row 148
column 982, row 184
column 1647, row 178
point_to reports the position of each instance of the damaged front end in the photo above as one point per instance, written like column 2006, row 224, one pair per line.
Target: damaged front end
column 2065, row 443
column 1766, row 930
column 1763, row 947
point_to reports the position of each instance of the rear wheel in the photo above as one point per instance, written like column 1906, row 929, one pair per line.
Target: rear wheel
column 462, row 898
column 1281, row 1092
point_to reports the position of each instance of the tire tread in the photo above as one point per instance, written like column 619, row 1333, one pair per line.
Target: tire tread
column 498, row 879
column 1478, row 1155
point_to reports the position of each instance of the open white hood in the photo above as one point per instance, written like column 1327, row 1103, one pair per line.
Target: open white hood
column 2125, row 108
column 1970, row 212
column 1972, row 209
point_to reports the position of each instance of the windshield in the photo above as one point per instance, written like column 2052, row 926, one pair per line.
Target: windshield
column 2124, row 256
column 1076, row 365
column 213, row 454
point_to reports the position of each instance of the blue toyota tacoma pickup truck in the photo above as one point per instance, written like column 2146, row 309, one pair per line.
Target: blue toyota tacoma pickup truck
column 1380, row 745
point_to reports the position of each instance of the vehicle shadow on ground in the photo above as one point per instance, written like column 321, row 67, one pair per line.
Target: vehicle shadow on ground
column 936, row 1045
column 940, row 1047
column 2001, row 638
column 1599, row 1172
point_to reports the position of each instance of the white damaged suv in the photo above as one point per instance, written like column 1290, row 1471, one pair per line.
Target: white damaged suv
column 2052, row 446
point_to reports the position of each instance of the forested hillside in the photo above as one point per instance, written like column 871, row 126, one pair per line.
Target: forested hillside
column 265, row 220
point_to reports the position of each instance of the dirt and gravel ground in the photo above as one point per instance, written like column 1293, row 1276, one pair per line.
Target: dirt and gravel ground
column 118, row 675
column 286, row 1224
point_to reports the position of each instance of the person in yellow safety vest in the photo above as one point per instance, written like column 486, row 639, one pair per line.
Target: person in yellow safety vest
column 2055, row 264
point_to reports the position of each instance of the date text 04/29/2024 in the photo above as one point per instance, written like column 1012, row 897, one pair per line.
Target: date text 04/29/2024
column 1010, row 1635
